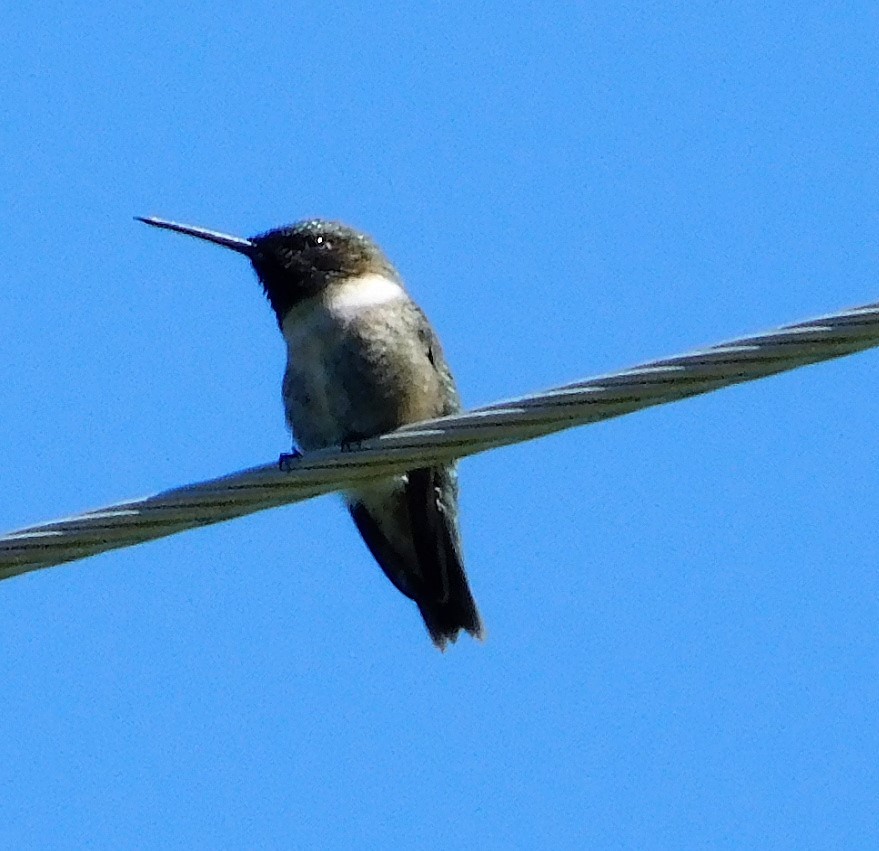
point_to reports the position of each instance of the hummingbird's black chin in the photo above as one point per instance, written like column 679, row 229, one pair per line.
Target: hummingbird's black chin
column 236, row 243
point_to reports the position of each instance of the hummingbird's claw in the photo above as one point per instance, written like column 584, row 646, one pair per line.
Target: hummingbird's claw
column 285, row 462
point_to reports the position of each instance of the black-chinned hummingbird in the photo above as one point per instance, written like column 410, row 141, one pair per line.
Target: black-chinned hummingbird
column 362, row 359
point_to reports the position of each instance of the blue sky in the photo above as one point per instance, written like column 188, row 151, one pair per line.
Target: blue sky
column 681, row 605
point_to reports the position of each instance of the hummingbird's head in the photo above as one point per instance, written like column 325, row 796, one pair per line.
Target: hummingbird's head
column 298, row 261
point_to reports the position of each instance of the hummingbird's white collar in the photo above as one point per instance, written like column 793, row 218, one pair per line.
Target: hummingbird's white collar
column 356, row 294
column 340, row 302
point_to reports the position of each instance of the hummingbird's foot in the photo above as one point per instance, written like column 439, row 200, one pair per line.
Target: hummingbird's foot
column 285, row 462
column 350, row 445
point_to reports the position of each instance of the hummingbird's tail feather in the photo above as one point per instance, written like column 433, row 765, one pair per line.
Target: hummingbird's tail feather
column 412, row 533
column 448, row 606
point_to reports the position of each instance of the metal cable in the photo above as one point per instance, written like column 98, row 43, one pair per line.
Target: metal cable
column 422, row 444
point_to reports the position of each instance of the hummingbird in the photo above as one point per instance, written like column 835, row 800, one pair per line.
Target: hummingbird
column 362, row 359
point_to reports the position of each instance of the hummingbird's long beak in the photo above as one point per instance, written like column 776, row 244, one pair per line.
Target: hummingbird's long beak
column 236, row 243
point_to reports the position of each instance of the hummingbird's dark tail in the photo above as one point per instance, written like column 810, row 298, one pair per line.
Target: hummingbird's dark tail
column 413, row 534
column 444, row 621
column 447, row 605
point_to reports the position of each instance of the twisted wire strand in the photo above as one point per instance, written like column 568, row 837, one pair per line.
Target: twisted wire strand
column 422, row 444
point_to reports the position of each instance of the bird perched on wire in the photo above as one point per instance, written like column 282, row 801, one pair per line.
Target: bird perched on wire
column 362, row 359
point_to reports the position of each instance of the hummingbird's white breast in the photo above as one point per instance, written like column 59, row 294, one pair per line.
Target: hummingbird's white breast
column 311, row 329
column 356, row 363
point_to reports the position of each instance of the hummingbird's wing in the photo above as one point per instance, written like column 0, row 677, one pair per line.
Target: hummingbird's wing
column 411, row 526
column 411, row 530
column 451, row 401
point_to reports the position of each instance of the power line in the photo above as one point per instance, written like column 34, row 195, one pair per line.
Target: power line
column 422, row 444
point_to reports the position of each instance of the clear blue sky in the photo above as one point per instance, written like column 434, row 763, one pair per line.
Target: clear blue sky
column 682, row 605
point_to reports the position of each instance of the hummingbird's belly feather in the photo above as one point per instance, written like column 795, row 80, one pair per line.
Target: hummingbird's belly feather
column 360, row 362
